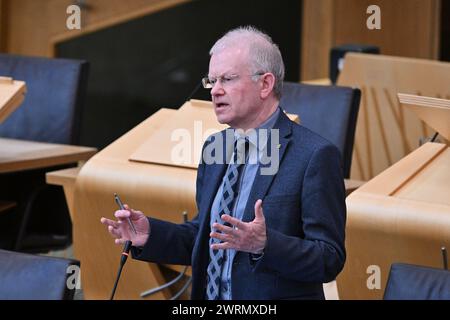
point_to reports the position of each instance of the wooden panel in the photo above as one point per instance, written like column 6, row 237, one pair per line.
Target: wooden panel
column 45, row 20
column 2, row 27
column 400, row 20
column 393, row 178
column 317, row 38
column 385, row 130
column 433, row 111
column 327, row 23
column 408, row 221
column 436, row 172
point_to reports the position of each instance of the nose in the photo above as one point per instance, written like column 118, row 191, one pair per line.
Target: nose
column 217, row 89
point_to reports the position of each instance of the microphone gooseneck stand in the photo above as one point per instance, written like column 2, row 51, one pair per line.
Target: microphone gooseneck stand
column 123, row 259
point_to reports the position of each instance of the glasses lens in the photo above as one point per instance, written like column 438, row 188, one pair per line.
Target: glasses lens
column 206, row 83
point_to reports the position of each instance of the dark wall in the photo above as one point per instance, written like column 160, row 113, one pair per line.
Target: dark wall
column 156, row 61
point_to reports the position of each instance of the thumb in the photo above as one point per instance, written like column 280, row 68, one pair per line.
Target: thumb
column 259, row 214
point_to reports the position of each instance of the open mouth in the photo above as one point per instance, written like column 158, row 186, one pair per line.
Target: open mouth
column 221, row 105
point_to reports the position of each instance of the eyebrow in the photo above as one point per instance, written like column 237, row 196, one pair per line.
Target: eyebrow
column 227, row 73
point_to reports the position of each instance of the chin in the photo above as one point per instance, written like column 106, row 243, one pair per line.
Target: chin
column 222, row 119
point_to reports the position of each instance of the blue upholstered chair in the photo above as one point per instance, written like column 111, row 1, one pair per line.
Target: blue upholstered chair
column 51, row 112
column 414, row 282
column 330, row 111
column 33, row 277
column 53, row 103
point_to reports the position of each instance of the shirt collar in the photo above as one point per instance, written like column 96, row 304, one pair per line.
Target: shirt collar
column 255, row 135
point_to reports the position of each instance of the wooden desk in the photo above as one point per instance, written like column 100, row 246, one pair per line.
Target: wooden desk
column 19, row 155
column 12, row 94
column 319, row 82
column 401, row 215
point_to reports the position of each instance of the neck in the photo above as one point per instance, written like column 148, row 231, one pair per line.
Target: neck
column 267, row 109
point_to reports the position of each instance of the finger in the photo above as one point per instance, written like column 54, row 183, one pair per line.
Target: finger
column 133, row 213
column 223, row 245
column 259, row 214
column 114, row 232
column 122, row 214
column 109, row 222
column 120, row 241
column 235, row 222
column 220, row 236
column 225, row 229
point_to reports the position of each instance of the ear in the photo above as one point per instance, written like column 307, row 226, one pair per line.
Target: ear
column 268, row 82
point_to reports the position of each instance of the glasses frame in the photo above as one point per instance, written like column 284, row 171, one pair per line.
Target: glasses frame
column 225, row 79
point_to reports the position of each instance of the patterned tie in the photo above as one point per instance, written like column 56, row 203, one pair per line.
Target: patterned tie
column 230, row 190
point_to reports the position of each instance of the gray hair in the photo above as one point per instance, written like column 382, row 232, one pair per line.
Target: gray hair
column 265, row 56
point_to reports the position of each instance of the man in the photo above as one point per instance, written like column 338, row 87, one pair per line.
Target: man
column 256, row 236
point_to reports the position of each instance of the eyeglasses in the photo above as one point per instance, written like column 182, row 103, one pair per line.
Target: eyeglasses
column 224, row 80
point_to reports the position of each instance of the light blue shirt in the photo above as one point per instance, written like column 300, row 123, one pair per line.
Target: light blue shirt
column 246, row 179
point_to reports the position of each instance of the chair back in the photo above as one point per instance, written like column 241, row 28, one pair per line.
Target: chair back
column 414, row 282
column 54, row 100
column 33, row 277
column 330, row 111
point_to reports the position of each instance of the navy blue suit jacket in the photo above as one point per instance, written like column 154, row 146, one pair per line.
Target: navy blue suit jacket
column 305, row 213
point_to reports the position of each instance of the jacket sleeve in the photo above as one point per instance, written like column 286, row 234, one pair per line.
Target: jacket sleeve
column 319, row 255
column 169, row 242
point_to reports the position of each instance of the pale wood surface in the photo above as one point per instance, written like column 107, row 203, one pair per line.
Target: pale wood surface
column 320, row 82
column 352, row 185
column 190, row 126
column 12, row 94
column 433, row 111
column 401, row 215
column 385, row 130
column 17, row 155
column 394, row 178
column 436, row 176
column 62, row 177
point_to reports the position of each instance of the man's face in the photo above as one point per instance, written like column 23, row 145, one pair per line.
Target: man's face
column 236, row 97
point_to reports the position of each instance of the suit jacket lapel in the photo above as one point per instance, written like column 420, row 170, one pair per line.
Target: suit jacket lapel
column 212, row 180
column 262, row 182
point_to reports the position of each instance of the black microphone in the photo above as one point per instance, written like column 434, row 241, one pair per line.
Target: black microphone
column 123, row 259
